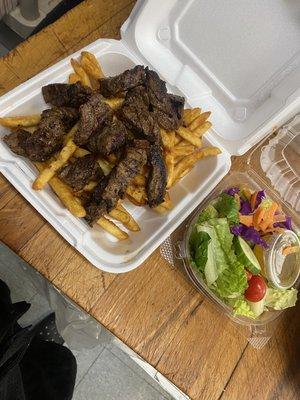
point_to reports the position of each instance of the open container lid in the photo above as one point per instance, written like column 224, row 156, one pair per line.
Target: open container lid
column 239, row 60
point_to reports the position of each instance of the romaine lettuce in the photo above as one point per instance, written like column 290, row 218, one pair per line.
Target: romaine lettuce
column 223, row 273
column 208, row 213
column 281, row 299
column 228, row 207
column 241, row 307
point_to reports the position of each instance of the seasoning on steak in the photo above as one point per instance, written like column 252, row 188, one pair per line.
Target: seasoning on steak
column 137, row 117
column 81, row 172
column 68, row 115
column 118, row 180
column 167, row 108
column 46, row 140
column 15, row 141
column 65, row 94
column 157, row 180
column 129, row 79
column 108, row 140
column 93, row 115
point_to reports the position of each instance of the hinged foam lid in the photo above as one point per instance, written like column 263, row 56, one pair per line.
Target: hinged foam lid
column 241, row 60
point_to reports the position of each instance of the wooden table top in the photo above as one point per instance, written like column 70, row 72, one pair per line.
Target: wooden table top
column 153, row 309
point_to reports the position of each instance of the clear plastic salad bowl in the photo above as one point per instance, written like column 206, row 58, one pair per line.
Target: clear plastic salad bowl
column 256, row 174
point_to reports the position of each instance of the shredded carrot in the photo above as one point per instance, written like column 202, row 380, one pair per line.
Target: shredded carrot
column 268, row 219
column 246, row 220
column 253, row 200
column 258, row 217
column 290, row 250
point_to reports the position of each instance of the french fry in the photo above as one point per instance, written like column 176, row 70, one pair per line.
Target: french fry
column 79, row 152
column 25, row 121
column 190, row 160
column 64, row 155
column 183, row 150
column 199, row 120
column 90, row 186
column 119, row 215
column 177, row 139
column 199, row 132
column 132, row 225
column 84, row 79
column 140, row 180
column 169, row 160
column 73, row 77
column 105, row 166
column 112, row 228
column 65, row 194
column 190, row 114
column 189, row 136
column 91, row 65
column 114, row 102
column 137, row 195
column 168, row 139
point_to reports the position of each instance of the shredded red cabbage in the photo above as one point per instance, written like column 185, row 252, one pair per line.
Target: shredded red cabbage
column 259, row 198
column 245, row 207
column 249, row 234
column 287, row 224
column 232, row 191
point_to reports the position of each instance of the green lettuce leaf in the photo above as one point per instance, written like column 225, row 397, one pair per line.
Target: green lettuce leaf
column 241, row 307
column 281, row 299
column 232, row 282
column 199, row 242
column 228, row 207
column 223, row 273
column 208, row 213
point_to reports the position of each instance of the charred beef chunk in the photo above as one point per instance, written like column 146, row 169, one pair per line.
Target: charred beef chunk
column 127, row 80
column 108, row 140
column 68, row 115
column 81, row 172
column 137, row 117
column 65, row 94
column 157, row 180
column 104, row 200
column 46, row 140
column 167, row 108
column 15, row 141
column 123, row 174
column 93, row 115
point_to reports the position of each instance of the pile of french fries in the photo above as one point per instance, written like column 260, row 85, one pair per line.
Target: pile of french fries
column 182, row 149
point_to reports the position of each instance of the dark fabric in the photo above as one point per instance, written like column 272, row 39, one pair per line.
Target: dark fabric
column 30, row 367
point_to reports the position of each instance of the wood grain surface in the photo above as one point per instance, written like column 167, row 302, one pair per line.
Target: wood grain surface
column 154, row 309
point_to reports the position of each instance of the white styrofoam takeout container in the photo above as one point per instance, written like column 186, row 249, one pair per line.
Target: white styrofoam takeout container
column 241, row 61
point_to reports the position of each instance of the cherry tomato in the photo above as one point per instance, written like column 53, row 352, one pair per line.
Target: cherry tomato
column 248, row 275
column 256, row 289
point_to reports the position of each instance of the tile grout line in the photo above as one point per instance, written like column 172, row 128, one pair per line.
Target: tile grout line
column 137, row 373
column 81, row 379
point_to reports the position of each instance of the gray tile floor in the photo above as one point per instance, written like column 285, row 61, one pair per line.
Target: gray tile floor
column 104, row 372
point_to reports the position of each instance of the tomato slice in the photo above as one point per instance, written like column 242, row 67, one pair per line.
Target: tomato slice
column 256, row 290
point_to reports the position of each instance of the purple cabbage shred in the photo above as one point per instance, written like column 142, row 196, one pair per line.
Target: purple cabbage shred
column 288, row 223
column 245, row 207
column 232, row 191
column 259, row 198
column 249, row 234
